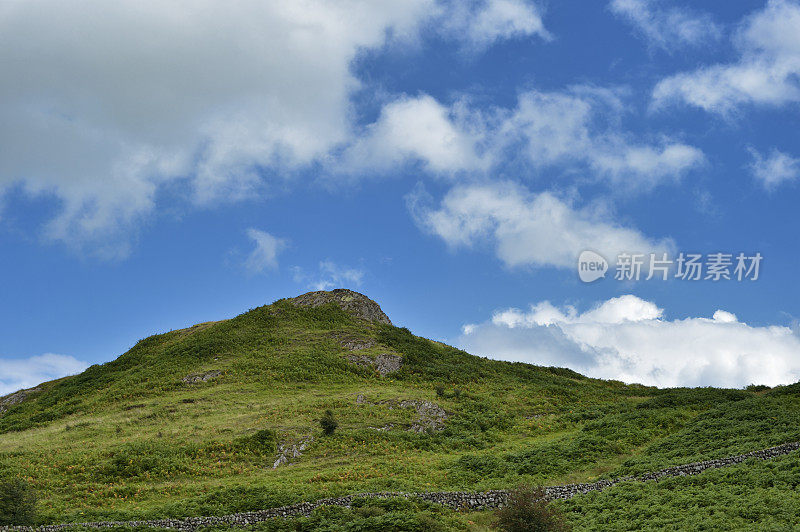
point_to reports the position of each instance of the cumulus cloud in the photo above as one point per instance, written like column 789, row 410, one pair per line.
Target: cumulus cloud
column 526, row 229
column 19, row 373
column 419, row 129
column 329, row 275
column 99, row 111
column 574, row 129
column 666, row 28
column 629, row 339
column 566, row 127
column 265, row 253
column 775, row 169
column 766, row 72
column 99, row 117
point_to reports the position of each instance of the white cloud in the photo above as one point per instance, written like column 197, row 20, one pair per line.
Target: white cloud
column 121, row 117
column 329, row 275
column 645, row 166
column 766, row 73
column 482, row 23
column 724, row 317
column 99, row 111
column 666, row 28
column 628, row 339
column 578, row 128
column 775, row 169
column 566, row 127
column 419, row 129
column 616, row 310
column 265, row 254
column 19, row 373
column 526, row 229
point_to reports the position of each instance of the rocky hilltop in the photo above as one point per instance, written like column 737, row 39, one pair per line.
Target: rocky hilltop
column 350, row 301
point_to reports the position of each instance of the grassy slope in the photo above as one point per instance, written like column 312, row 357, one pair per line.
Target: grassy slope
column 130, row 439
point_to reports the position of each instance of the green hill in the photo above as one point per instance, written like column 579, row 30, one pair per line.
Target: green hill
column 224, row 417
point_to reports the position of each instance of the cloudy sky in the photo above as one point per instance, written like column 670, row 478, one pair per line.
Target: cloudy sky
column 163, row 164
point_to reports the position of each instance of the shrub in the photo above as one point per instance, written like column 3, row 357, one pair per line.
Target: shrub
column 264, row 442
column 439, row 390
column 17, row 502
column 527, row 510
column 485, row 465
column 328, row 423
column 148, row 459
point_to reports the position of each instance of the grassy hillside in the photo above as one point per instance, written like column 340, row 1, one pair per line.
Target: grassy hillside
column 145, row 436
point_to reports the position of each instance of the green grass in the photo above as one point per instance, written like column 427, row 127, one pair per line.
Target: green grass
column 756, row 495
column 129, row 439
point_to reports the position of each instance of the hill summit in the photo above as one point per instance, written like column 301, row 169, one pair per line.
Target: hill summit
column 350, row 301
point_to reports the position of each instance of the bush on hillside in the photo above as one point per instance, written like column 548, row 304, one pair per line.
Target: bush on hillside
column 264, row 441
column 328, row 423
column 17, row 502
column 148, row 459
column 527, row 510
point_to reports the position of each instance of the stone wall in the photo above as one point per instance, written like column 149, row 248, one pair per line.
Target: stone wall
column 451, row 499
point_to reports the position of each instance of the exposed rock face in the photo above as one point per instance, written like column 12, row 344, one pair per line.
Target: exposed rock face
column 430, row 416
column 384, row 363
column 353, row 342
column 15, row 398
column 356, row 304
column 287, row 453
column 197, row 378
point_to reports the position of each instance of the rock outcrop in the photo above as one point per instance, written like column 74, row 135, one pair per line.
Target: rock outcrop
column 287, row 453
column 353, row 342
column 196, row 378
column 430, row 416
column 356, row 304
column 384, row 363
column 15, row 398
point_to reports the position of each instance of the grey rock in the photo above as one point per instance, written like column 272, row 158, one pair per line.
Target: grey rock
column 16, row 398
column 384, row 363
column 356, row 304
column 353, row 342
column 288, row 451
column 430, row 416
column 196, row 378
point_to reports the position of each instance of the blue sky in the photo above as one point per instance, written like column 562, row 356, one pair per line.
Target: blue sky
column 162, row 166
